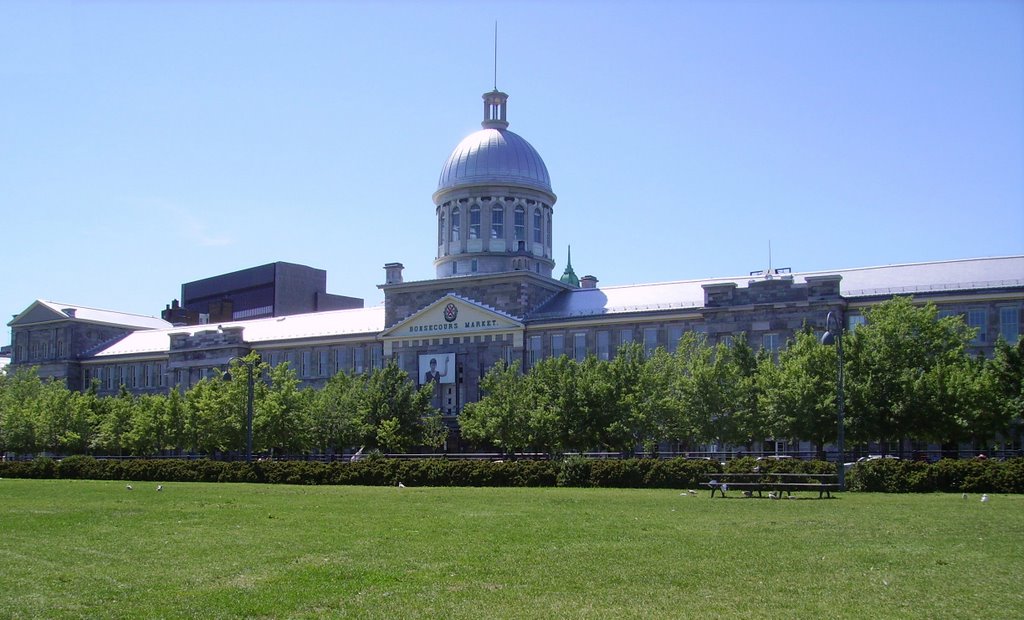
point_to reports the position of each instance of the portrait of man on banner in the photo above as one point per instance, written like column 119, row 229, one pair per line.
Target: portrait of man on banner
column 438, row 368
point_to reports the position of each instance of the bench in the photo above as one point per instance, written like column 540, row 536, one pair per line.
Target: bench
column 779, row 483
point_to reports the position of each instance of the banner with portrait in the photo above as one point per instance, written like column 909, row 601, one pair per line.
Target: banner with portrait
column 437, row 367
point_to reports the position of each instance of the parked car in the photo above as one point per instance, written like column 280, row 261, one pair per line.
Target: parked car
column 875, row 457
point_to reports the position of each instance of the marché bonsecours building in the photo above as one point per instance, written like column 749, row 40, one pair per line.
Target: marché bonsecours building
column 495, row 297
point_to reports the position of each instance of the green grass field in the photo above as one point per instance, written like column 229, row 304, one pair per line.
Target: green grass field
column 71, row 548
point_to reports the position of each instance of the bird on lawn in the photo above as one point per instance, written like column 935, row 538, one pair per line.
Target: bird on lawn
column 401, row 486
column 773, row 495
column 128, row 486
column 691, row 492
column 159, row 487
column 984, row 497
column 964, row 496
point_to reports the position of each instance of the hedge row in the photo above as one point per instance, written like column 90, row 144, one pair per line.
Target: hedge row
column 947, row 475
column 373, row 471
column 883, row 475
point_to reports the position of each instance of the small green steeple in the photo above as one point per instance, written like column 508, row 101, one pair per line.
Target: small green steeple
column 569, row 276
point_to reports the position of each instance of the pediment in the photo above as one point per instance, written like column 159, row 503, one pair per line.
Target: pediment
column 452, row 315
column 38, row 312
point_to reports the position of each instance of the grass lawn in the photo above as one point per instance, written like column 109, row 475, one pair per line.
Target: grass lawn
column 71, row 548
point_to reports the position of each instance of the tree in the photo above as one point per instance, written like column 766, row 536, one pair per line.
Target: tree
column 1007, row 372
column 392, row 415
column 332, row 419
column 281, row 418
column 890, row 359
column 18, row 395
column 114, row 424
column 799, row 393
column 708, row 388
column 502, row 416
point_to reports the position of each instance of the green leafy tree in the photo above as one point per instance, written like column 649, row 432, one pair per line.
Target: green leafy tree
column 894, row 361
column 216, row 414
column 115, row 422
column 1007, row 372
column 708, row 386
column 19, row 394
column 281, row 420
column 502, row 416
column 332, row 421
column 392, row 415
column 799, row 393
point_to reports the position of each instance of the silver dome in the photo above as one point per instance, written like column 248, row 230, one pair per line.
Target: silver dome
column 494, row 156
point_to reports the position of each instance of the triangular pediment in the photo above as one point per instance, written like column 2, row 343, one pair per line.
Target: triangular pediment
column 453, row 315
column 38, row 312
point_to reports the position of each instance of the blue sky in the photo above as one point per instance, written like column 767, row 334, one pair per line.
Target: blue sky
column 143, row 145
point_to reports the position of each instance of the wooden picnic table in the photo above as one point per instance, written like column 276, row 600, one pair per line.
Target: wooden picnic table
column 824, row 484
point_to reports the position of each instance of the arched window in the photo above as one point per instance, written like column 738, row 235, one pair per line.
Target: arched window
column 440, row 228
column 474, row 222
column 549, row 230
column 456, row 223
column 537, row 226
column 520, row 224
column 497, row 222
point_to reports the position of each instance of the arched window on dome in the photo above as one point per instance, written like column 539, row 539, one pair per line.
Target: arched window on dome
column 440, row 228
column 537, row 223
column 520, row 223
column 456, row 223
column 474, row 222
column 549, row 231
column 497, row 222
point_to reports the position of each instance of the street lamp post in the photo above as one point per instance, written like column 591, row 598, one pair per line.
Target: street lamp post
column 834, row 335
column 250, row 384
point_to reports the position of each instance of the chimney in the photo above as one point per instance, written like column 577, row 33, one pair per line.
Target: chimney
column 588, row 282
column 393, row 273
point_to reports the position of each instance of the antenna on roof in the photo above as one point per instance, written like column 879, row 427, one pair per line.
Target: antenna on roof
column 495, row 54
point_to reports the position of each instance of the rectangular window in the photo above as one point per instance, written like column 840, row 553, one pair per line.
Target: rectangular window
column 579, row 346
column 161, row 375
column 603, row 346
column 340, row 360
column 376, row 357
column 507, row 354
column 536, row 350
column 675, row 334
column 650, row 339
column 770, row 342
column 474, row 222
column 1009, row 324
column 625, row 335
column 498, row 223
column 726, row 340
column 976, row 317
column 307, row 364
column 358, row 365
column 854, row 321
column 557, row 345
column 322, row 368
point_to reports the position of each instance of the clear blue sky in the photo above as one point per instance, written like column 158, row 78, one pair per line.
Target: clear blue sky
column 143, row 145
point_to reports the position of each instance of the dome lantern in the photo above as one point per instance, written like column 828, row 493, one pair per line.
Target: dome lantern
column 494, row 202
